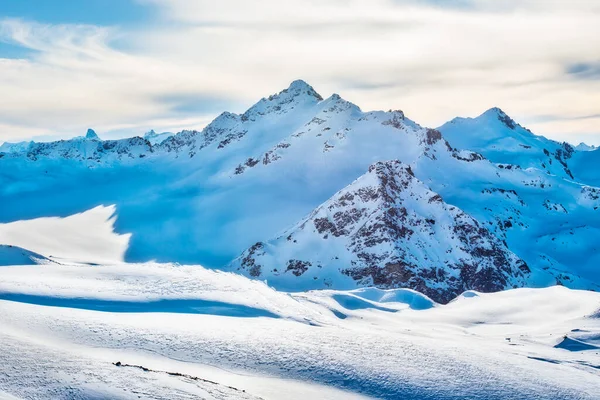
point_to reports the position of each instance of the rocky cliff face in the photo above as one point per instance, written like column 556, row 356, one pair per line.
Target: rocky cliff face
column 387, row 229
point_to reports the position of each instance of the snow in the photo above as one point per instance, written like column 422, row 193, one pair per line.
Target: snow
column 387, row 217
column 97, row 228
column 478, row 346
column 91, row 135
column 500, row 139
column 12, row 255
column 157, row 138
column 87, row 237
column 19, row 147
column 585, row 147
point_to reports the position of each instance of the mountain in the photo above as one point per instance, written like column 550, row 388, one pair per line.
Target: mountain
column 387, row 229
column 205, row 196
column 585, row 147
column 19, row 147
column 502, row 140
column 156, row 138
column 91, row 135
column 87, row 148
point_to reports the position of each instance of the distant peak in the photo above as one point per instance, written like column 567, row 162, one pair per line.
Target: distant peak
column 299, row 87
column 299, row 84
column 150, row 134
column 495, row 110
column 498, row 113
column 299, row 92
column 91, row 134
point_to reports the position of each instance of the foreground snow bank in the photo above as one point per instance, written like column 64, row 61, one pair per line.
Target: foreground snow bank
column 188, row 332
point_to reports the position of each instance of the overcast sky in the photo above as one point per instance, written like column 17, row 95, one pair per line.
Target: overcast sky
column 125, row 66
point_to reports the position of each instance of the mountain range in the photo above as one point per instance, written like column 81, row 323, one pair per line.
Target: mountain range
column 313, row 193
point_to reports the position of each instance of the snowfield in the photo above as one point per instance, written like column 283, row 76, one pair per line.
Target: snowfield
column 79, row 332
column 117, row 260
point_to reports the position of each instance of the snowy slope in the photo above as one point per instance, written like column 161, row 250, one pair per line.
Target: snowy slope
column 206, row 196
column 585, row 147
column 387, row 229
column 13, row 255
column 61, row 337
column 502, row 140
column 19, row 147
column 585, row 166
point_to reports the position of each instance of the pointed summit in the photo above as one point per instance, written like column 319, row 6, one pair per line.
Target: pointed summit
column 497, row 112
column 150, row 134
column 298, row 94
column 91, row 134
column 299, row 87
column 494, row 111
column 386, row 229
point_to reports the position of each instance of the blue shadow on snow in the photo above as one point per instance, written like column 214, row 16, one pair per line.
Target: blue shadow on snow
column 179, row 306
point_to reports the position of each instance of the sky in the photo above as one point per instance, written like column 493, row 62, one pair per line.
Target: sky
column 123, row 67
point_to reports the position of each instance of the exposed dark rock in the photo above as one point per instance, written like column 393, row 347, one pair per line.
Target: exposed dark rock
column 506, row 120
column 298, row 267
column 433, row 136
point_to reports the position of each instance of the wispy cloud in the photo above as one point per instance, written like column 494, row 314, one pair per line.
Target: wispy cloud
column 585, row 70
column 434, row 59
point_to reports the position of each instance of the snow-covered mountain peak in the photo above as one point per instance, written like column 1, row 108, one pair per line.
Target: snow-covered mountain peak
column 496, row 113
column 91, row 135
column 150, row 134
column 585, row 147
column 502, row 140
column 299, row 87
column 387, row 229
column 156, row 138
column 298, row 94
column 336, row 104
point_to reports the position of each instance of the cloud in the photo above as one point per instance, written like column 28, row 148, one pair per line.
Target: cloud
column 76, row 79
column 585, row 70
column 434, row 59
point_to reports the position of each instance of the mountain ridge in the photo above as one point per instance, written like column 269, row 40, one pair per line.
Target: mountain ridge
column 203, row 197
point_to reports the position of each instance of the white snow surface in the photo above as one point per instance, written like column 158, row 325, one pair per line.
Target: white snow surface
column 86, row 237
column 65, row 326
